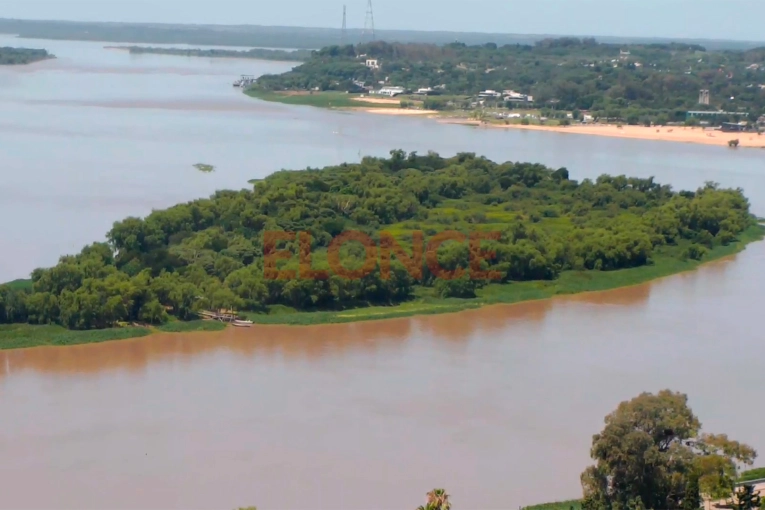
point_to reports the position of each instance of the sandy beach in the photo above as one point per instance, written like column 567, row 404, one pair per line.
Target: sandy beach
column 399, row 111
column 667, row 134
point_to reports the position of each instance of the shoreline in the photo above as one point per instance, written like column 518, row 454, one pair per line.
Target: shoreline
column 676, row 134
column 318, row 319
column 391, row 107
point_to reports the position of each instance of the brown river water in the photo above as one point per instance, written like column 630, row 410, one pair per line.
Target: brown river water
column 497, row 405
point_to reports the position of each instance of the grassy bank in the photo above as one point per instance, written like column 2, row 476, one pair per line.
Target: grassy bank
column 573, row 504
column 191, row 326
column 17, row 336
column 569, row 282
column 317, row 99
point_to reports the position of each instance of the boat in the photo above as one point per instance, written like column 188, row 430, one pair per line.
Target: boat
column 242, row 324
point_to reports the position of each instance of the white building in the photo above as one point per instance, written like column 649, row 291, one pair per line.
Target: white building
column 372, row 63
column 391, row 91
column 489, row 93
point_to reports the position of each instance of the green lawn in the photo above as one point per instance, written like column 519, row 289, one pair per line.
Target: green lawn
column 318, row 99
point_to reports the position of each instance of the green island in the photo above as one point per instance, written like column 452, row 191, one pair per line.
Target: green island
column 554, row 81
column 550, row 235
column 21, row 56
column 254, row 53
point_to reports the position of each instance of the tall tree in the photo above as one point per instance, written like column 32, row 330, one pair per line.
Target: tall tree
column 692, row 497
column 647, row 451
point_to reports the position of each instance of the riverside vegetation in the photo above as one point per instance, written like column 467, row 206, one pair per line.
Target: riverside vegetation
column 635, row 83
column 20, row 56
column 556, row 236
column 255, row 53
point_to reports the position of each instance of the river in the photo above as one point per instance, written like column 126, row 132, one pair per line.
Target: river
column 497, row 405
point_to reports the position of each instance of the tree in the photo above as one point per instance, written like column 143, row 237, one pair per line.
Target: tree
column 692, row 497
column 648, row 450
column 746, row 498
column 437, row 499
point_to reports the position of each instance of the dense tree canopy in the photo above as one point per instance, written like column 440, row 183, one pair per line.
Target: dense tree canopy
column 210, row 253
column 652, row 455
column 572, row 74
column 16, row 56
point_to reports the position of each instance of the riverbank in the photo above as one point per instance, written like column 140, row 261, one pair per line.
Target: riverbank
column 678, row 134
column 386, row 106
column 425, row 303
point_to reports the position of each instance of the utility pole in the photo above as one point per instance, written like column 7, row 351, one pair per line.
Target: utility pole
column 344, row 34
column 369, row 23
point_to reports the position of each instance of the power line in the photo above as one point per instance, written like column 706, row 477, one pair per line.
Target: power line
column 344, row 34
column 369, row 23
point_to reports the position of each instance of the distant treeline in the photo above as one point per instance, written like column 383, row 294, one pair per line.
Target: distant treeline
column 17, row 56
column 641, row 83
column 255, row 53
column 280, row 37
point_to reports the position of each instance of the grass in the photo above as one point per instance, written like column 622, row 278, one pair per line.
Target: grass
column 752, row 474
column 317, row 99
column 426, row 302
column 187, row 327
column 19, row 284
column 574, row 504
column 17, row 336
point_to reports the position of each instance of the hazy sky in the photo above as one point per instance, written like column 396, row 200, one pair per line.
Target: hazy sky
column 714, row 19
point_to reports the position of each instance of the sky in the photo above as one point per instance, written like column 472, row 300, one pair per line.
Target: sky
column 708, row 19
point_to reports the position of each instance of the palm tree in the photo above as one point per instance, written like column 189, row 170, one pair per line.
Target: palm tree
column 437, row 499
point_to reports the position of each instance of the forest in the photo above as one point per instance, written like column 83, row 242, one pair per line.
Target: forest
column 660, row 82
column 254, row 53
column 19, row 56
column 210, row 253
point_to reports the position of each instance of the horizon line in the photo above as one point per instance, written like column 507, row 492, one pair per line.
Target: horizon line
column 384, row 30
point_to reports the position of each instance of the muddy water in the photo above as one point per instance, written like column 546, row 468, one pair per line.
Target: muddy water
column 498, row 405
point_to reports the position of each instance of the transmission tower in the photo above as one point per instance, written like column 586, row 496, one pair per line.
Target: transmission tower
column 344, row 33
column 369, row 23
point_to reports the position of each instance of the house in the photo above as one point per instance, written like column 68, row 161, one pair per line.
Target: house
column 391, row 91
column 424, row 91
column 490, row 93
column 516, row 97
column 372, row 63
column 761, row 120
column 733, row 127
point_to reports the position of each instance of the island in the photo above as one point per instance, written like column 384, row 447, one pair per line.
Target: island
column 387, row 237
column 673, row 91
column 255, row 53
column 21, row 56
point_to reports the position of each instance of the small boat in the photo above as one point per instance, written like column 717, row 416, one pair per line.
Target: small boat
column 242, row 324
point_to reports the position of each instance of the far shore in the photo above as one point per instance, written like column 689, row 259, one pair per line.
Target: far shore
column 606, row 281
column 392, row 106
column 679, row 134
